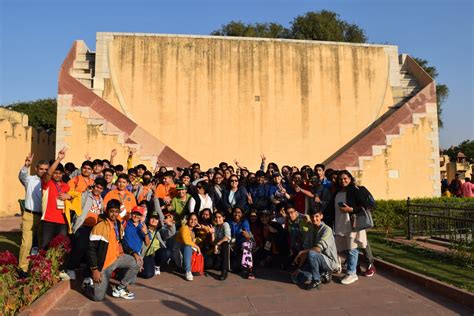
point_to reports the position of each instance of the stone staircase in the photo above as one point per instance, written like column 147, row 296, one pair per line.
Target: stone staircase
column 409, row 87
column 83, row 68
column 76, row 92
column 410, row 104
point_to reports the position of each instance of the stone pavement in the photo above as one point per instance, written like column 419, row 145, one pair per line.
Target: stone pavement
column 270, row 293
column 10, row 224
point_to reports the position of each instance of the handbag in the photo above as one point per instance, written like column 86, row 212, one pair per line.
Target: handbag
column 362, row 220
column 197, row 263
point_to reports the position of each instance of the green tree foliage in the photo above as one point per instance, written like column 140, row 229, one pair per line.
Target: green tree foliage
column 326, row 26
column 321, row 26
column 442, row 90
column 239, row 28
column 41, row 113
column 466, row 147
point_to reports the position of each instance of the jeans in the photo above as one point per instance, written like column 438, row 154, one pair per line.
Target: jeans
column 315, row 265
column 162, row 256
column 125, row 262
column 187, row 252
column 368, row 256
column 50, row 230
column 148, row 267
column 352, row 257
column 80, row 246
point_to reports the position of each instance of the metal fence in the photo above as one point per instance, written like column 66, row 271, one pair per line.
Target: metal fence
column 451, row 223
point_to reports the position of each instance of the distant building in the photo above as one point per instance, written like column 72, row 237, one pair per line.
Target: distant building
column 461, row 166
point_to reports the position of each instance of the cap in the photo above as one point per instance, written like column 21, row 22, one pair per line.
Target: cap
column 276, row 174
column 264, row 212
column 180, row 169
column 211, row 170
column 155, row 215
column 138, row 209
column 180, row 186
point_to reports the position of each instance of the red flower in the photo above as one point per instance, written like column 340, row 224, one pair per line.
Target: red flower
column 7, row 258
column 61, row 241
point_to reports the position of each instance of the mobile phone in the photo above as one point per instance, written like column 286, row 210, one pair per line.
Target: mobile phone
column 341, row 204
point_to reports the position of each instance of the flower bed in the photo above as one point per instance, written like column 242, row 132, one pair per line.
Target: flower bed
column 17, row 292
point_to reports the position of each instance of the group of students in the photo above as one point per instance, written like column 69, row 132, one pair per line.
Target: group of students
column 129, row 222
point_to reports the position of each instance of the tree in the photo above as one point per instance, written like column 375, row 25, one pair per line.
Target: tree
column 239, row 28
column 466, row 147
column 326, row 26
column 41, row 113
column 442, row 90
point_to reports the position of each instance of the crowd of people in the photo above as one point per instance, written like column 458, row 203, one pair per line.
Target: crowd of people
column 126, row 222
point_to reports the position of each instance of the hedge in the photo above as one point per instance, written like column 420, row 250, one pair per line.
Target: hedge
column 392, row 214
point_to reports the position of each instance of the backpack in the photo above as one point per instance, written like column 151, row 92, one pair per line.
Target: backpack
column 367, row 198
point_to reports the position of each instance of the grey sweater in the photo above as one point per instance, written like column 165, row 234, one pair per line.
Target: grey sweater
column 323, row 237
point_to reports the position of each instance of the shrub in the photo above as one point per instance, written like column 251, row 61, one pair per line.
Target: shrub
column 17, row 292
column 392, row 214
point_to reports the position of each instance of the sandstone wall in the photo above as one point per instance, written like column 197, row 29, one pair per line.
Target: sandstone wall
column 216, row 99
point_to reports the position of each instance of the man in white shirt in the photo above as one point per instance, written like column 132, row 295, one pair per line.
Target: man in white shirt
column 32, row 216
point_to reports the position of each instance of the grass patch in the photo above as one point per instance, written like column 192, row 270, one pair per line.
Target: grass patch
column 10, row 242
column 426, row 262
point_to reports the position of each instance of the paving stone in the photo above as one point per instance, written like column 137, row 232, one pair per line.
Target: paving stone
column 271, row 293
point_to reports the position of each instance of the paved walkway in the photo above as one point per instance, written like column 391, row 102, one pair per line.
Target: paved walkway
column 270, row 293
column 10, row 224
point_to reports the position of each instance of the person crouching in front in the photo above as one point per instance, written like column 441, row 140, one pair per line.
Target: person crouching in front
column 106, row 253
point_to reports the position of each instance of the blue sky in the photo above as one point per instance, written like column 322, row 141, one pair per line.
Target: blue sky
column 35, row 36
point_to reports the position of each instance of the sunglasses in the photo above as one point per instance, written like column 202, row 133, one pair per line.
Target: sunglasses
column 234, row 180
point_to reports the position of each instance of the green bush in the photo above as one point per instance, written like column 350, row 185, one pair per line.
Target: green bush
column 391, row 215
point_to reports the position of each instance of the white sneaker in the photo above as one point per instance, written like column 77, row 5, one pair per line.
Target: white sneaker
column 123, row 293
column 34, row 251
column 349, row 279
column 189, row 276
column 71, row 274
column 157, row 270
column 64, row 276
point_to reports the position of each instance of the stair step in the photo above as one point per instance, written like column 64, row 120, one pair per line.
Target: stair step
column 82, row 64
column 85, row 57
column 87, row 83
column 82, row 75
column 405, row 82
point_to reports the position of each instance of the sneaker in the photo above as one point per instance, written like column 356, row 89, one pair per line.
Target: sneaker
column 122, row 293
column 370, row 271
column 315, row 284
column 349, row 279
column 64, row 276
column 34, row 251
column 326, row 277
column 189, row 276
column 157, row 270
column 87, row 282
column 71, row 274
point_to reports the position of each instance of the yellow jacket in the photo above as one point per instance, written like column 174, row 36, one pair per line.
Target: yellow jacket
column 74, row 205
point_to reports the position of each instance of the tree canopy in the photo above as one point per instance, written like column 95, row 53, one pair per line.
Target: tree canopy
column 321, row 26
column 41, row 113
column 466, row 147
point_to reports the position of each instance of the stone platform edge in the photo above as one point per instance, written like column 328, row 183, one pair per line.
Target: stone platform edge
column 454, row 293
column 48, row 300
